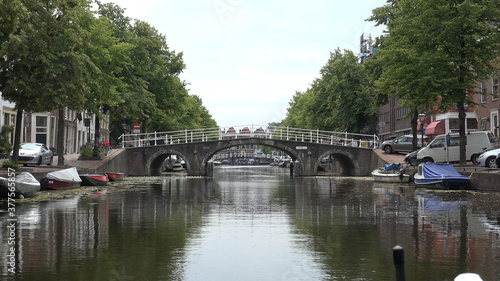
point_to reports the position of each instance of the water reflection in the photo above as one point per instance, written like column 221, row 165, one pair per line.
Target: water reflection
column 256, row 224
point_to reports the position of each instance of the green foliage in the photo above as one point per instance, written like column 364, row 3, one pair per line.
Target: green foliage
column 87, row 150
column 340, row 100
column 435, row 51
column 9, row 164
column 5, row 145
column 59, row 54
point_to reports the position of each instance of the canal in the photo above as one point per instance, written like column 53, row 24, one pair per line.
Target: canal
column 253, row 223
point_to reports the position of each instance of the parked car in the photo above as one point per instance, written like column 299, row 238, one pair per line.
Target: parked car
column 403, row 143
column 34, row 154
column 488, row 159
column 411, row 158
column 438, row 151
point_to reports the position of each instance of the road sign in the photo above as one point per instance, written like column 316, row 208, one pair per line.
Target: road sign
column 137, row 128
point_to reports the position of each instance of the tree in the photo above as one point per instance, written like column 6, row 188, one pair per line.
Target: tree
column 436, row 50
column 43, row 65
column 340, row 100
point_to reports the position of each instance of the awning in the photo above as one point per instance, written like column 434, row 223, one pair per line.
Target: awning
column 426, row 122
column 435, row 128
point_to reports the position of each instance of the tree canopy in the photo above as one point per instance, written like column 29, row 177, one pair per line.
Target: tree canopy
column 340, row 100
column 435, row 51
column 61, row 54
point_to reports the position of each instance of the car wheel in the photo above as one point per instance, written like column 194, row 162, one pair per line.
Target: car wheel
column 473, row 158
column 491, row 162
column 388, row 149
column 427, row 160
column 50, row 161
column 39, row 160
column 414, row 162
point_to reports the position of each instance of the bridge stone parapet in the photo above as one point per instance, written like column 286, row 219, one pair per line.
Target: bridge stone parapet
column 353, row 161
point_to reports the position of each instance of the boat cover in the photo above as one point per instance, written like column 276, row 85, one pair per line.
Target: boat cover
column 392, row 166
column 440, row 171
column 26, row 182
column 68, row 175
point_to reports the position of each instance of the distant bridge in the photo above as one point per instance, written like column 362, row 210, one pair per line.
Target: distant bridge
column 353, row 153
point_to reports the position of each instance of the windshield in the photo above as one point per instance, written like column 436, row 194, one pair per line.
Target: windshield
column 30, row 146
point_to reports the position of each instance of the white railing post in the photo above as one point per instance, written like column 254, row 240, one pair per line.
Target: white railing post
column 191, row 136
column 317, row 135
column 123, row 140
column 155, row 139
column 185, row 135
column 287, row 133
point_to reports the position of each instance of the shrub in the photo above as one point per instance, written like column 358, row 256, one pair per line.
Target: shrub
column 9, row 164
column 87, row 151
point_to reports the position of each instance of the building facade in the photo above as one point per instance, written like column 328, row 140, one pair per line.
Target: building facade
column 41, row 127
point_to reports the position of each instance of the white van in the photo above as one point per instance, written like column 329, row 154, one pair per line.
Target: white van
column 477, row 143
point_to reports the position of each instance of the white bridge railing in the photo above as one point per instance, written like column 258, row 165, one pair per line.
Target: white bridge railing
column 239, row 132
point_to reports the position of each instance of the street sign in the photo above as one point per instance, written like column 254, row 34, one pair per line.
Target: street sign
column 137, row 128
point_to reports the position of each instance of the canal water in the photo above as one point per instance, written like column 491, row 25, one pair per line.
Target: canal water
column 253, row 223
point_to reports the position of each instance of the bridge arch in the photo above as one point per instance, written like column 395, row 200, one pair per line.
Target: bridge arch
column 249, row 141
column 155, row 161
column 346, row 160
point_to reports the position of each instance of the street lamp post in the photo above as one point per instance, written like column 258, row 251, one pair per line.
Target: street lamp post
column 422, row 117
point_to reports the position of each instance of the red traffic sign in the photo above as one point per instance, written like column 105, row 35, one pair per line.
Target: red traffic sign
column 137, row 126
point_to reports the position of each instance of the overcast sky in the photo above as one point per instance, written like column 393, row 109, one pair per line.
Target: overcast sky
column 246, row 59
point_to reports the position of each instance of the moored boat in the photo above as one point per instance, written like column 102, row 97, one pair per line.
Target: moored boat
column 390, row 173
column 440, row 175
column 113, row 176
column 176, row 167
column 25, row 185
column 94, row 179
column 62, row 179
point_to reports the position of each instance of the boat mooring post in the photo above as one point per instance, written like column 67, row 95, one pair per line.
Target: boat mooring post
column 398, row 255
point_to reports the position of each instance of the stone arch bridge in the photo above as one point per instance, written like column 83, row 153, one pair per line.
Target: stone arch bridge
column 352, row 153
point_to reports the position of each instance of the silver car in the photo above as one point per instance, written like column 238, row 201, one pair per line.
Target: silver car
column 488, row 158
column 34, row 154
column 403, row 143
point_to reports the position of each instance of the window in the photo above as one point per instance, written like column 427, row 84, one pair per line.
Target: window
column 483, row 92
column 454, row 141
column 471, row 124
column 438, row 143
column 41, row 121
column 454, row 124
column 494, row 89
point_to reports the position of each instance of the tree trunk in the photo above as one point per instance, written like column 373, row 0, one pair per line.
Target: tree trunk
column 97, row 135
column 463, row 137
column 60, row 138
column 414, row 119
column 17, row 135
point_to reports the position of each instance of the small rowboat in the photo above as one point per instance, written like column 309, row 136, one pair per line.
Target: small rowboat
column 24, row 185
column 94, row 179
column 115, row 176
column 62, row 179
column 390, row 173
column 440, row 175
